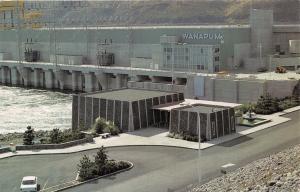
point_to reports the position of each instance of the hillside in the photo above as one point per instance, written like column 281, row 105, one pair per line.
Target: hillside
column 160, row 12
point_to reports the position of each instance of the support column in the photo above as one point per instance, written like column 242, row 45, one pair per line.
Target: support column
column 102, row 79
column 15, row 76
column 59, row 74
column 37, row 78
column 89, row 82
column 5, row 75
column 236, row 91
column 118, row 81
column 76, row 81
column 49, row 79
column 25, row 74
column 212, row 89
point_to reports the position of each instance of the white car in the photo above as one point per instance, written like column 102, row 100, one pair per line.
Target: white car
column 29, row 184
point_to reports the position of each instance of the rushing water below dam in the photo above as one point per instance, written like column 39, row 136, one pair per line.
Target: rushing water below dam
column 41, row 109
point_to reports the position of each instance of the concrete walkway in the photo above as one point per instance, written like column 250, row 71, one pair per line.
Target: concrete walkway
column 155, row 136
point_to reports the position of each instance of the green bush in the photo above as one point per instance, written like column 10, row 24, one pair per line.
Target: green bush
column 101, row 166
column 288, row 102
column 99, row 125
column 245, row 107
column 123, row 165
column 178, row 136
column 111, row 128
column 193, row 138
column 86, row 168
column 267, row 105
column 28, row 136
column 56, row 136
column 171, row 135
column 100, row 160
column 109, row 167
column 71, row 135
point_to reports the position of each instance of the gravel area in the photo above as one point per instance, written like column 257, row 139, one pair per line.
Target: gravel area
column 277, row 173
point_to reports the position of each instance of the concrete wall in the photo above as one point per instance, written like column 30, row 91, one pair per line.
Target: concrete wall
column 4, row 150
column 84, row 42
column 241, row 51
column 212, row 125
column 261, row 23
column 127, row 116
column 226, row 90
column 54, row 146
column 250, row 91
column 281, row 89
column 293, row 63
column 282, row 38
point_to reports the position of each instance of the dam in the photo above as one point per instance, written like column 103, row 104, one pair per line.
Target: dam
column 231, row 63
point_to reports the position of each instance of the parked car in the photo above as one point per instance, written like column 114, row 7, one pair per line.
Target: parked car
column 29, row 184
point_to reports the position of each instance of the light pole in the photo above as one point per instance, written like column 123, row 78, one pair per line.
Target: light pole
column 199, row 142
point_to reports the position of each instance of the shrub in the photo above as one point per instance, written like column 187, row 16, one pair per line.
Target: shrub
column 100, row 160
column 111, row 128
column 178, row 136
column 266, row 105
column 71, row 135
column 193, row 138
column 101, row 166
column 99, row 125
column 86, row 168
column 28, row 136
column 171, row 135
column 123, row 165
column 109, row 167
column 288, row 102
column 245, row 107
column 55, row 136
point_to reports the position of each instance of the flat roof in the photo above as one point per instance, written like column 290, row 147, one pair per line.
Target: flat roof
column 203, row 109
column 128, row 94
column 204, row 105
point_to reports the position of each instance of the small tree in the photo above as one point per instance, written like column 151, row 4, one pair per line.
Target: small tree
column 55, row 136
column 99, row 125
column 100, row 160
column 28, row 136
column 266, row 105
column 86, row 168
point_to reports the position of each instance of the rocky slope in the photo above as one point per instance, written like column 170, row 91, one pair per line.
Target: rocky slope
column 277, row 173
column 170, row 12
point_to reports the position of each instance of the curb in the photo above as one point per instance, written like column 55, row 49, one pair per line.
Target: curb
column 94, row 148
column 96, row 178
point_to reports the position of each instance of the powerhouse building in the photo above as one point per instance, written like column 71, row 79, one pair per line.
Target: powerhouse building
column 188, row 48
column 184, row 59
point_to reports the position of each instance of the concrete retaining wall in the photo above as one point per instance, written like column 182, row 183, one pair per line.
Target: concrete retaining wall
column 4, row 150
column 226, row 90
column 54, row 146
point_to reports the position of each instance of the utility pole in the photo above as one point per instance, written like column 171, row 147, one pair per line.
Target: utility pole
column 87, row 32
column 18, row 32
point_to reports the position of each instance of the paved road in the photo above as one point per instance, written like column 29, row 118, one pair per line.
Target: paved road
column 156, row 168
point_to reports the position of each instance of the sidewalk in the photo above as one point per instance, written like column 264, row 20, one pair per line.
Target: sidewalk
column 158, row 137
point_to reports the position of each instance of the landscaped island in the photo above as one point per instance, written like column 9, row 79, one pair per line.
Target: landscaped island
column 102, row 165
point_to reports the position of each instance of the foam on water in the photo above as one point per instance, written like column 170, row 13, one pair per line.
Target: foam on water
column 43, row 110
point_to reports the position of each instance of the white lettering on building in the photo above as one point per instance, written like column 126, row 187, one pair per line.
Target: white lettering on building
column 199, row 36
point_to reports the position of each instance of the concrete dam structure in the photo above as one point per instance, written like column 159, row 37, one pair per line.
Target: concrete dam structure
column 205, row 62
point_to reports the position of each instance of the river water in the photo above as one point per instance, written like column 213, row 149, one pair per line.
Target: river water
column 43, row 110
